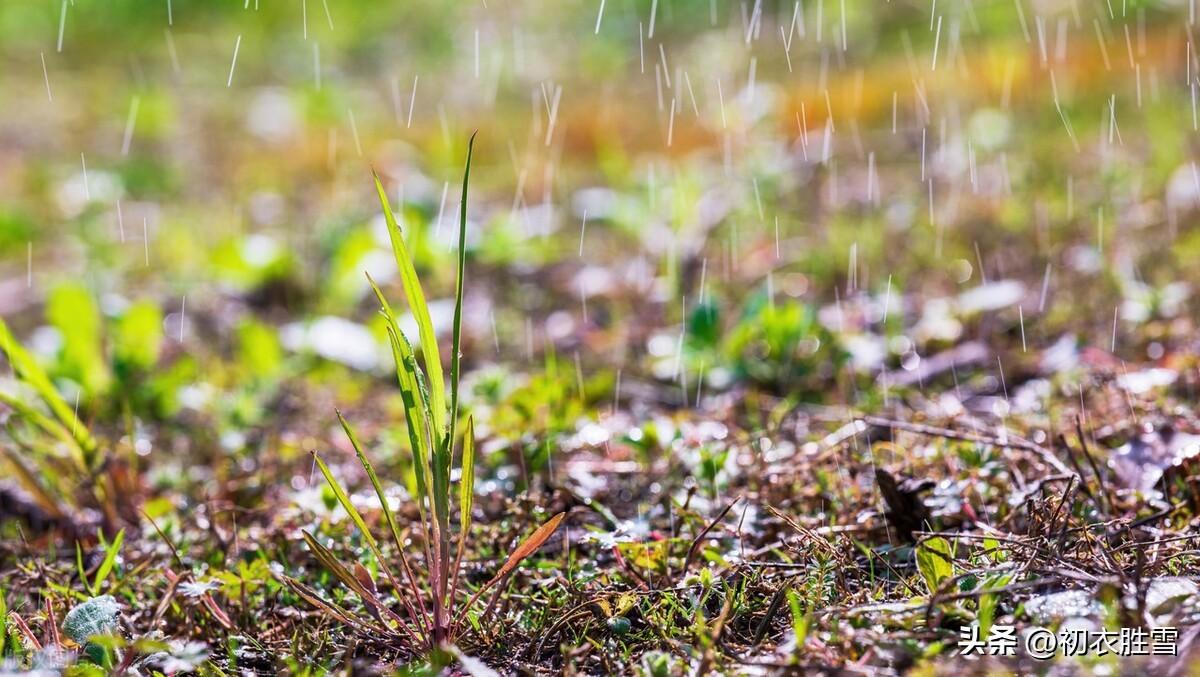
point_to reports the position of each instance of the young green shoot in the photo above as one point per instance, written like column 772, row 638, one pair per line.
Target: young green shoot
column 432, row 423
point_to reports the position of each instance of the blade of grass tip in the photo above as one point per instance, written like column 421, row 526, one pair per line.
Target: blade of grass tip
column 344, row 499
column 162, row 534
column 456, row 356
column 392, row 527
column 110, row 558
column 525, row 549
column 369, row 598
column 466, row 502
column 420, row 311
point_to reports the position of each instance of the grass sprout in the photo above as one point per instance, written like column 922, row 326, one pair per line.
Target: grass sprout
column 431, row 620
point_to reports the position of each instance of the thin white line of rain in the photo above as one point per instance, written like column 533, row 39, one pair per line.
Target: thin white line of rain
column 130, row 121
column 412, row 102
column 46, row 76
column 233, row 64
column 62, row 25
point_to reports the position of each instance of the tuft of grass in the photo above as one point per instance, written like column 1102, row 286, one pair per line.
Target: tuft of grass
column 62, row 424
column 432, row 619
column 55, row 454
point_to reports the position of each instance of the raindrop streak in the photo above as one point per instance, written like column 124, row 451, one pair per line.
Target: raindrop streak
column 172, row 52
column 887, row 302
column 641, row 49
column 437, row 228
column 582, row 232
column 1021, row 317
column 553, row 114
column 937, row 38
column 46, row 76
column 1045, row 288
column 599, row 17
column 120, row 221
column 233, row 63
column 354, row 132
column 317, row 65
column 1113, row 347
column 671, row 124
column 412, row 102
column 62, row 25
column 87, row 190
column 130, row 121
column 328, row 16
column 721, row 97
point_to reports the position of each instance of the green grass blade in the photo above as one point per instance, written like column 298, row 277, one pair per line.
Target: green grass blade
column 466, row 486
column 799, row 620
column 456, row 355
column 344, row 499
column 3, row 623
column 366, row 464
column 391, row 521
column 339, row 570
column 416, row 401
column 48, row 425
column 28, row 370
column 31, row 483
column 415, row 413
column 420, row 310
column 330, row 608
column 110, row 559
column 80, row 570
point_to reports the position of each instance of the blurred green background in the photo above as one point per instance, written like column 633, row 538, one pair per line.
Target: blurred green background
column 644, row 169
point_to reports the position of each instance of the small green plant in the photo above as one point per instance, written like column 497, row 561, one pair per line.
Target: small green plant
column 432, row 424
column 46, row 446
column 50, row 446
column 90, row 621
column 111, row 552
column 779, row 345
column 783, row 346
